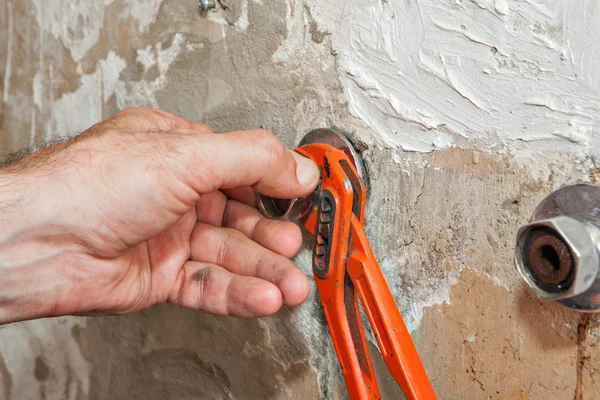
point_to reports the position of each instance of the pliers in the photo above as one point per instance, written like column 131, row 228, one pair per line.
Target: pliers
column 345, row 271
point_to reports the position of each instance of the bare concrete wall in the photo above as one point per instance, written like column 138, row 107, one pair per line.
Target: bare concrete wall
column 441, row 220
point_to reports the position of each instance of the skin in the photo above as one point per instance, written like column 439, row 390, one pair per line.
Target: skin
column 147, row 208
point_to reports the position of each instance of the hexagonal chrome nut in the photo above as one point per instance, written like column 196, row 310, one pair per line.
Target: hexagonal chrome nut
column 582, row 239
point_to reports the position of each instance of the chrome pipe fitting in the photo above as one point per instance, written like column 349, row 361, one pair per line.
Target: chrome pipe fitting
column 295, row 209
column 286, row 209
column 205, row 6
column 558, row 252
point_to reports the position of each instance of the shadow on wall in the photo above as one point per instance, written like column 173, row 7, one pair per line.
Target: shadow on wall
column 167, row 352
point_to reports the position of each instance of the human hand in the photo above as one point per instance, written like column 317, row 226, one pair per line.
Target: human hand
column 147, row 208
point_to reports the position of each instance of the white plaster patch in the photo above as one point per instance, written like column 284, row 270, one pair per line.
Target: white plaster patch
column 146, row 57
column 243, row 22
column 141, row 93
column 412, row 304
column 65, row 119
column 98, row 87
column 165, row 57
column 144, row 11
column 399, row 157
column 497, row 280
column 53, row 342
column 94, row 90
column 32, row 131
column 194, row 46
column 298, row 46
column 38, row 90
column 296, row 39
column 9, row 44
column 110, row 68
column 516, row 74
column 78, row 23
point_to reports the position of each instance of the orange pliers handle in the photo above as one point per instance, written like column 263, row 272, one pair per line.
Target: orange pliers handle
column 345, row 271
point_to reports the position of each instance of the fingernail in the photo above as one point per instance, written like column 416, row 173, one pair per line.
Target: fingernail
column 307, row 171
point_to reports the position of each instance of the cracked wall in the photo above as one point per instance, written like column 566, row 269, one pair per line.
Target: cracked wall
column 468, row 113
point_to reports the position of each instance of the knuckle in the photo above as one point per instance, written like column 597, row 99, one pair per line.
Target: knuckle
column 232, row 240
column 222, row 252
column 196, row 168
column 271, row 145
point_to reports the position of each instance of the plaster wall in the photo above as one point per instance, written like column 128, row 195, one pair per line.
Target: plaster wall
column 468, row 112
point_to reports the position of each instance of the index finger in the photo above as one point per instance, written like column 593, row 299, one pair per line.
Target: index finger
column 250, row 158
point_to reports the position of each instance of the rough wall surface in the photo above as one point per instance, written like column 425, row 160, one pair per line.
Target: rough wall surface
column 469, row 111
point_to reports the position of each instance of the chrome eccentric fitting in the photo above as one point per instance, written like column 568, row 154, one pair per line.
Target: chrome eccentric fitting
column 286, row 209
column 295, row 209
column 558, row 252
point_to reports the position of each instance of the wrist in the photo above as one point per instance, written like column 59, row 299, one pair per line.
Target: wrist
column 28, row 251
